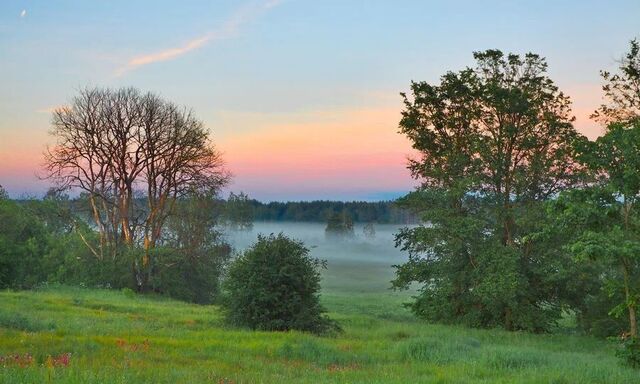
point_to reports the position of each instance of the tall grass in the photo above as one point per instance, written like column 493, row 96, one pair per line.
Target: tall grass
column 117, row 337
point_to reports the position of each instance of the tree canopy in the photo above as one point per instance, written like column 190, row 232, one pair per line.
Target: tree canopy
column 494, row 142
column 122, row 148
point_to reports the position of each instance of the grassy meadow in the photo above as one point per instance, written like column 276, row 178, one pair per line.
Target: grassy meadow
column 120, row 337
column 117, row 337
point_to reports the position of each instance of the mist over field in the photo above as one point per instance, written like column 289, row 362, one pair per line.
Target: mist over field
column 362, row 263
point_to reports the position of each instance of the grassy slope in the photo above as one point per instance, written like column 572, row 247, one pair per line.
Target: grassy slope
column 106, row 332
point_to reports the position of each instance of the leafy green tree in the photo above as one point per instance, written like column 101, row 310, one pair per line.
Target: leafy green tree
column 495, row 141
column 23, row 241
column 607, row 216
column 622, row 90
column 194, row 253
column 598, row 222
column 275, row 286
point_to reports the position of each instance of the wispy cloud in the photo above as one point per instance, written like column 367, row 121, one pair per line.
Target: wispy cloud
column 23, row 13
column 227, row 30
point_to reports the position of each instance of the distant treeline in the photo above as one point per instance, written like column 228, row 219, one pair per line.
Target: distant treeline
column 382, row 212
column 240, row 207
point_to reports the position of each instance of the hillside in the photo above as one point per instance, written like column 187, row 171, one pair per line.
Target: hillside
column 118, row 337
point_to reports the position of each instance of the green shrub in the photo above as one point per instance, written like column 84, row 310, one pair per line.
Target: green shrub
column 72, row 263
column 629, row 351
column 274, row 286
column 189, row 275
column 128, row 292
column 23, row 239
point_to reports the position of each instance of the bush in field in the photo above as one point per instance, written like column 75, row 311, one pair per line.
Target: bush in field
column 23, row 239
column 190, row 263
column 629, row 351
column 189, row 276
column 274, row 286
column 40, row 241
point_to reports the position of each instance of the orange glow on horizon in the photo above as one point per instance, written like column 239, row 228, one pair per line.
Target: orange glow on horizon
column 357, row 148
column 341, row 150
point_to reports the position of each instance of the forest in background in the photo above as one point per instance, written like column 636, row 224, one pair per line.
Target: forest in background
column 240, row 207
column 380, row 212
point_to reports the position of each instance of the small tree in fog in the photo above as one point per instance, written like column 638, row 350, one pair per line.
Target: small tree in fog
column 339, row 225
column 369, row 231
column 238, row 212
column 275, row 286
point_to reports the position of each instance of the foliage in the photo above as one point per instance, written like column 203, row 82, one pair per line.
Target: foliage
column 381, row 212
column 275, row 286
column 45, row 241
column 42, row 241
column 495, row 141
column 193, row 256
column 190, row 277
column 23, row 241
column 238, row 212
column 606, row 216
column 123, row 147
column 622, row 90
column 629, row 351
column 70, row 262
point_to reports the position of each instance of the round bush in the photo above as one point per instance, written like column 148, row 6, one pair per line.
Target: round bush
column 274, row 286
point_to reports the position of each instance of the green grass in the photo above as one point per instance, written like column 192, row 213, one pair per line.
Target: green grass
column 116, row 337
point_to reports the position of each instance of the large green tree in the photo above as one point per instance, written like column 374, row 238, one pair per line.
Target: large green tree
column 600, row 223
column 494, row 142
column 194, row 253
column 605, row 217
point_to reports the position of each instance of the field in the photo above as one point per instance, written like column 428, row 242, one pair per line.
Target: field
column 119, row 337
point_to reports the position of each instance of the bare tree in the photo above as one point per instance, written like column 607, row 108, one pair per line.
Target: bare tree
column 122, row 146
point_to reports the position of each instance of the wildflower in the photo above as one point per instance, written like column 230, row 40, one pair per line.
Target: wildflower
column 16, row 360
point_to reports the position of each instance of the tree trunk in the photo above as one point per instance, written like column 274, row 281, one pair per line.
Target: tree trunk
column 626, row 266
column 631, row 306
column 508, row 319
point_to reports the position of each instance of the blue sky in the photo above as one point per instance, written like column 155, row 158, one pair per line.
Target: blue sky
column 277, row 80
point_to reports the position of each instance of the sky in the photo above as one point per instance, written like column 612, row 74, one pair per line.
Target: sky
column 300, row 96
